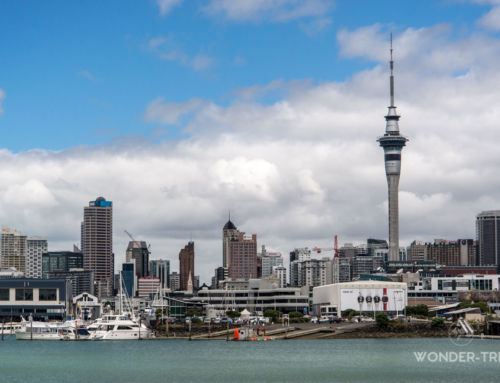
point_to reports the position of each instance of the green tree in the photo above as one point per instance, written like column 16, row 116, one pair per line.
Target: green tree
column 349, row 313
column 296, row 314
column 437, row 322
column 232, row 314
column 382, row 320
column 420, row 309
column 273, row 314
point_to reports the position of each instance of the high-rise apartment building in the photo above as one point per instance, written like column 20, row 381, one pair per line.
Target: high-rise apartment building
column 36, row 247
column 365, row 265
column 97, row 244
column 13, row 249
column 280, row 272
column 175, row 281
column 488, row 237
column 461, row 252
column 416, row 251
column 341, row 270
column 393, row 142
column 138, row 252
column 269, row 260
column 243, row 257
column 297, row 257
column 186, row 267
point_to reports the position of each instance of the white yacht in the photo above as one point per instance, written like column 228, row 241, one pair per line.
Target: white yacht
column 34, row 330
column 118, row 328
column 74, row 333
column 123, row 326
column 10, row 328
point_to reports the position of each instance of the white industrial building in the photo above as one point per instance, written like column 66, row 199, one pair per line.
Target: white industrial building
column 363, row 296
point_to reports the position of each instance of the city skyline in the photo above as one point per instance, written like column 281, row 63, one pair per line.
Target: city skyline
column 175, row 142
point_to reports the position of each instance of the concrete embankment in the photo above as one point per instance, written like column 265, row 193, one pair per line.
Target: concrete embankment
column 334, row 331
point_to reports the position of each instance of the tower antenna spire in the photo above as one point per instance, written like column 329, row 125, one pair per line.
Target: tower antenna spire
column 392, row 76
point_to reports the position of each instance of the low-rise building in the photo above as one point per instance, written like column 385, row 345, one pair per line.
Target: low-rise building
column 43, row 299
column 262, row 294
column 466, row 282
column 362, row 296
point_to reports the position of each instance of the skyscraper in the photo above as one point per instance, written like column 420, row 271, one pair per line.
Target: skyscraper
column 393, row 142
column 138, row 252
column 488, row 237
column 97, row 244
column 186, row 266
column 229, row 233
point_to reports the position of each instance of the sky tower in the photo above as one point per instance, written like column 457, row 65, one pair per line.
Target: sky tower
column 392, row 142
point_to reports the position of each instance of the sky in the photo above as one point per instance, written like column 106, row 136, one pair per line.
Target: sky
column 180, row 111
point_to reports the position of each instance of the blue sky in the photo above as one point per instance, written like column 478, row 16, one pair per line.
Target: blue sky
column 82, row 73
column 180, row 110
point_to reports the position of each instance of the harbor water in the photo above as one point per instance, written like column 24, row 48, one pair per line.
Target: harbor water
column 340, row 360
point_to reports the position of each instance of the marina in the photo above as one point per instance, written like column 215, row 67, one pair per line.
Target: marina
column 352, row 360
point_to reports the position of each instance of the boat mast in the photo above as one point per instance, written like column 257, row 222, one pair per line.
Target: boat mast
column 121, row 294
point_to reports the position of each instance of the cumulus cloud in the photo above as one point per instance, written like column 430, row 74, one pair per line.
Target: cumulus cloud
column 166, row 6
column 274, row 10
column 491, row 20
column 2, row 97
column 295, row 170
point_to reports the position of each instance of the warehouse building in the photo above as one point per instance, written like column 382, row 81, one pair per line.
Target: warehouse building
column 362, row 296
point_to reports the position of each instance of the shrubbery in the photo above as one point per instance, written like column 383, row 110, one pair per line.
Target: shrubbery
column 382, row 320
column 437, row 322
column 422, row 310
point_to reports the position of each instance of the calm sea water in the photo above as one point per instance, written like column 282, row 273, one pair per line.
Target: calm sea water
column 352, row 360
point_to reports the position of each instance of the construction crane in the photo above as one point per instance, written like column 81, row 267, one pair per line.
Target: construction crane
column 130, row 235
column 335, row 248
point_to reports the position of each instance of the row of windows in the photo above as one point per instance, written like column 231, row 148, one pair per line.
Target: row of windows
column 27, row 294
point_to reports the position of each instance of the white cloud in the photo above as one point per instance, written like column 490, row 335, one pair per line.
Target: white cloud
column 272, row 10
column 295, row 171
column 168, row 49
column 201, row 62
column 167, row 5
column 2, row 97
column 171, row 112
column 491, row 20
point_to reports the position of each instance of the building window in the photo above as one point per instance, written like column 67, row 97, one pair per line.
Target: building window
column 4, row 294
column 47, row 294
column 24, row 294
